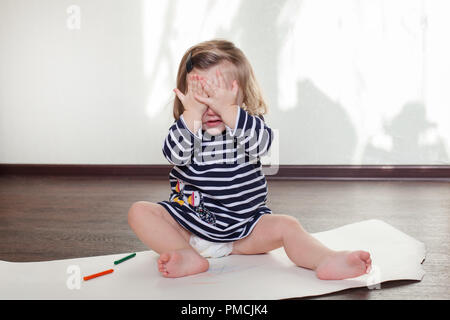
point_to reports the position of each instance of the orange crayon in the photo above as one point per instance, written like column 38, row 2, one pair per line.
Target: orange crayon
column 98, row 274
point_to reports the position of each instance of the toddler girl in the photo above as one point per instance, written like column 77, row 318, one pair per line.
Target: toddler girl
column 218, row 202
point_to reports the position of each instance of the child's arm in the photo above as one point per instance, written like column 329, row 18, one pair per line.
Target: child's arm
column 193, row 109
column 183, row 134
column 179, row 144
column 252, row 134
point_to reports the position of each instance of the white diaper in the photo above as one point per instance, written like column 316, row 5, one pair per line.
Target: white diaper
column 210, row 249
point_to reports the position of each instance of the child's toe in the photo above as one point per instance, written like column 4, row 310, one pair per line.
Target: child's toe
column 364, row 255
column 164, row 258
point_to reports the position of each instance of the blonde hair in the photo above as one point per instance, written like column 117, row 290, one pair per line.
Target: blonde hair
column 210, row 53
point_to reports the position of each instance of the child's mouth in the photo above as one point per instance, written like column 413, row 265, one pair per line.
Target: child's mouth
column 213, row 123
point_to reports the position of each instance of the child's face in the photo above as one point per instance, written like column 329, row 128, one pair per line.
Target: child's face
column 211, row 121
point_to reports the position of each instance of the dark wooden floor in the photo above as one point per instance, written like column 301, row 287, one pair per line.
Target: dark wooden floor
column 47, row 218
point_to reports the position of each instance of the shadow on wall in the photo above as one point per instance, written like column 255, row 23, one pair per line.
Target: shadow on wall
column 163, row 63
column 411, row 136
column 318, row 126
column 260, row 32
column 322, row 128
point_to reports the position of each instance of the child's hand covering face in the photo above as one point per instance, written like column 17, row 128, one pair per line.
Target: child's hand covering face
column 211, row 94
column 194, row 88
column 220, row 97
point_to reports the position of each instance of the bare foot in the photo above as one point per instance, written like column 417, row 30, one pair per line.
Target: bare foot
column 343, row 265
column 181, row 263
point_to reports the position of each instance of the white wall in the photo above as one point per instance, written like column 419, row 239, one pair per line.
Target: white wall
column 348, row 82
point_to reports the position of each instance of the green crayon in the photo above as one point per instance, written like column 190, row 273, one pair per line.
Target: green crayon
column 125, row 258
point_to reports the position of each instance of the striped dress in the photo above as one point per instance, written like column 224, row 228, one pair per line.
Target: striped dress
column 219, row 191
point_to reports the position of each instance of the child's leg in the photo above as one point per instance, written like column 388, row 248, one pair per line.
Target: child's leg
column 156, row 228
column 273, row 231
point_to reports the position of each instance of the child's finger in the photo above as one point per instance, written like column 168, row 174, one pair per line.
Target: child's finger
column 215, row 81
column 179, row 94
column 202, row 90
column 235, row 88
column 198, row 85
column 220, row 79
column 190, row 84
column 193, row 85
column 202, row 99
column 204, row 94
column 226, row 80
column 206, row 85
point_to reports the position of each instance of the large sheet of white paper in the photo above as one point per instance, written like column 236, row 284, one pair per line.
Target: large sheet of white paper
column 395, row 256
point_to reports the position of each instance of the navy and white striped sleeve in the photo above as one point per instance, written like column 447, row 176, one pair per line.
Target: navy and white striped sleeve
column 252, row 134
column 180, row 143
